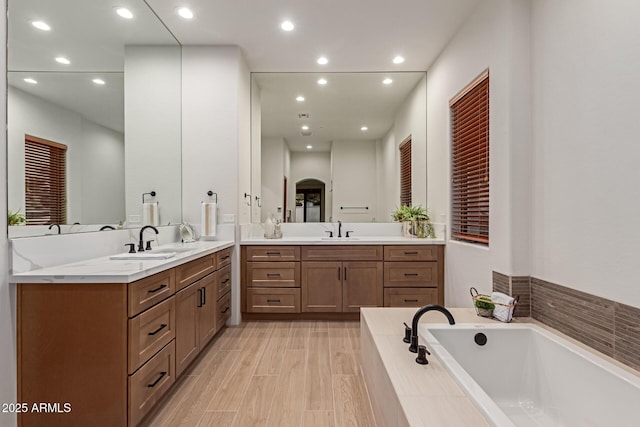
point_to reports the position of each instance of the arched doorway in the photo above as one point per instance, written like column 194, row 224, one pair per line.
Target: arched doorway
column 310, row 200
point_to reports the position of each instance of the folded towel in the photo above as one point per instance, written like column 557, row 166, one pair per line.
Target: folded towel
column 501, row 312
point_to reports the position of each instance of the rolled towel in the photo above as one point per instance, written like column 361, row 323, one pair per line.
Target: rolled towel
column 501, row 312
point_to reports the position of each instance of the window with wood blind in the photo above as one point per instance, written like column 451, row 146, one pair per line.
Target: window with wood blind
column 45, row 183
column 405, row 172
column 470, row 163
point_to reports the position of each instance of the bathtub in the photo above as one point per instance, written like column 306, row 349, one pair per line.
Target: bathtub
column 527, row 376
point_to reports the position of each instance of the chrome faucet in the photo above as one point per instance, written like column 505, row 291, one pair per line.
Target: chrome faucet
column 339, row 228
column 55, row 225
column 416, row 317
column 141, row 243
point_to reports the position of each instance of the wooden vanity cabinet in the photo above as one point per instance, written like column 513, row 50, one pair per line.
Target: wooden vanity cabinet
column 113, row 350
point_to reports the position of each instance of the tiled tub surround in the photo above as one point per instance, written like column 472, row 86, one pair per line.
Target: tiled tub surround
column 610, row 327
column 527, row 375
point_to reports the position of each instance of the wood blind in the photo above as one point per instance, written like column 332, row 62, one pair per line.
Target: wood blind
column 45, row 183
column 405, row 172
column 470, row 163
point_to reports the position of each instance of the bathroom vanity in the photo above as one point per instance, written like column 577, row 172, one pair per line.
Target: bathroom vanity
column 307, row 278
column 109, row 338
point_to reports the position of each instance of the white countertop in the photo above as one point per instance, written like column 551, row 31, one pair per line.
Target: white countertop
column 105, row 270
column 359, row 240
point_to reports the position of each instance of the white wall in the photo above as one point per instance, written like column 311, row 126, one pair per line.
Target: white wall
column 311, row 165
column 256, row 151
column 388, row 176
column 496, row 37
column 95, row 158
column 586, row 209
column 7, row 293
column 244, row 141
column 353, row 165
column 273, row 156
column 152, row 130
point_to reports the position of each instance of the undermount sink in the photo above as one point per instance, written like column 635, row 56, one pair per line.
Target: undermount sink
column 144, row 255
column 340, row 239
column 178, row 249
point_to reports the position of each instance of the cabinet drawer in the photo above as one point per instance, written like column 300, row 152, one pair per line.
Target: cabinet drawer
column 148, row 385
column 223, row 311
column 273, row 274
column 340, row 253
column 150, row 331
column 410, row 297
column 223, row 281
column 273, row 253
column 273, row 300
column 188, row 273
column 151, row 290
column 411, row 253
column 411, row 273
column 223, row 258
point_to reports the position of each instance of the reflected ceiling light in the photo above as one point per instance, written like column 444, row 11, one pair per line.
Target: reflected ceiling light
column 387, row 81
column 41, row 25
column 124, row 13
column 364, row 128
column 322, row 81
column 398, row 60
column 185, row 12
column 305, row 127
column 309, row 147
column 63, row 60
column 300, row 98
column 322, row 60
column 98, row 81
column 31, row 81
column 287, row 26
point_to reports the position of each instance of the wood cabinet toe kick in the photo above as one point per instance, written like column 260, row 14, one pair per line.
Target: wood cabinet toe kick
column 111, row 350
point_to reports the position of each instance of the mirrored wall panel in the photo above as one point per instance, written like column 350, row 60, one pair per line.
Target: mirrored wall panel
column 93, row 111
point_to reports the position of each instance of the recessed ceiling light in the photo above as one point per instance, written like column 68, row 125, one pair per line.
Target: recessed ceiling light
column 185, row 12
column 98, row 81
column 309, row 147
column 305, row 127
column 398, row 60
column 300, row 98
column 387, row 81
column 287, row 26
column 63, row 60
column 322, row 81
column 364, row 128
column 31, row 81
column 323, row 60
column 41, row 25
column 124, row 12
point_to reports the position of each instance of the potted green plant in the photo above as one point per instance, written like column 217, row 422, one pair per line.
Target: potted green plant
column 16, row 218
column 484, row 306
column 415, row 221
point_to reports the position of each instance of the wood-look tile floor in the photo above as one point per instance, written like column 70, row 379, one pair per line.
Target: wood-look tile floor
column 299, row 373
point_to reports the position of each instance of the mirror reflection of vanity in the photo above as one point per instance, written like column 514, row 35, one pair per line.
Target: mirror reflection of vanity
column 114, row 109
column 334, row 155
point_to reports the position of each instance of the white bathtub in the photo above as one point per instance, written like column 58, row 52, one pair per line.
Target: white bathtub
column 527, row 376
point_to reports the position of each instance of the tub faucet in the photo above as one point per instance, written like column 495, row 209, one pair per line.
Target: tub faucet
column 55, row 225
column 416, row 317
column 141, row 243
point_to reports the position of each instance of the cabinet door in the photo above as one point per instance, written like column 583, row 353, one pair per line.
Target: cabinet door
column 187, row 301
column 207, row 308
column 362, row 285
column 321, row 286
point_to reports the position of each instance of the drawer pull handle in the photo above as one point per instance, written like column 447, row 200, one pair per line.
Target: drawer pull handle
column 410, row 274
column 225, row 257
column 411, row 300
column 158, row 330
column 225, row 281
column 273, row 253
column 200, row 303
column 225, row 310
column 411, row 253
column 273, row 274
column 273, row 300
column 153, row 291
column 153, row 384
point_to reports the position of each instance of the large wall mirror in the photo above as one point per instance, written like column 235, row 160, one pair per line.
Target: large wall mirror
column 93, row 108
column 326, row 146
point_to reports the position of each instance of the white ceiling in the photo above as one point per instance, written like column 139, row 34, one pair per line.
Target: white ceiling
column 356, row 35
